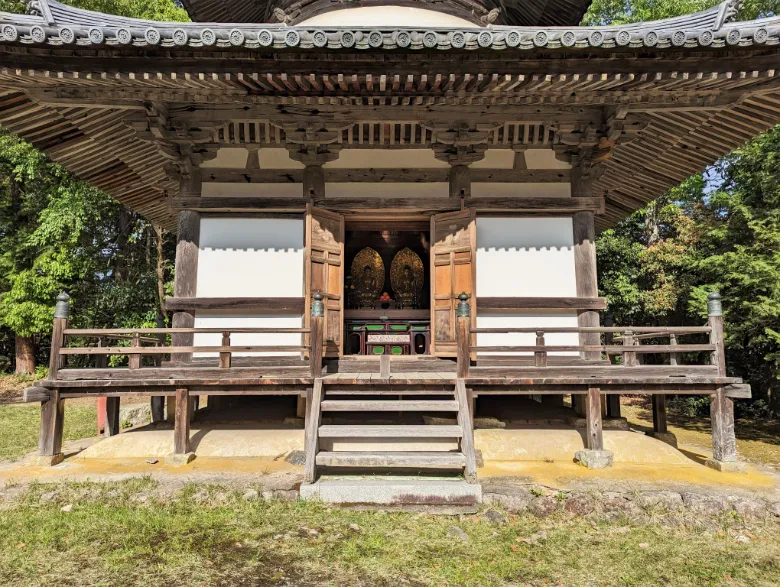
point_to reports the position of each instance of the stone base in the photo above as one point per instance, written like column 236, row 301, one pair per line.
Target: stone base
column 594, row 459
column 666, row 437
column 393, row 491
column 726, row 466
column 48, row 460
column 177, row 460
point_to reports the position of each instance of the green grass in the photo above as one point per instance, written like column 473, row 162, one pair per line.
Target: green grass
column 111, row 539
column 20, row 426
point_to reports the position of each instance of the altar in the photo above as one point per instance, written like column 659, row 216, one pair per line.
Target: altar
column 387, row 302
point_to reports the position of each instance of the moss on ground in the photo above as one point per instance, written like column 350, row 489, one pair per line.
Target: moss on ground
column 123, row 533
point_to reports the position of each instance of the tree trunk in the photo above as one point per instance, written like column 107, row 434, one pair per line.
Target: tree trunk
column 25, row 355
column 160, row 269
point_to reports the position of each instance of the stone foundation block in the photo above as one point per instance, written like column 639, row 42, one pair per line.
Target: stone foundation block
column 594, row 459
column 726, row 466
column 178, row 460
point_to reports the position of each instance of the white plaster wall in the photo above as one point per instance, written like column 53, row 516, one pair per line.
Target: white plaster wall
column 249, row 257
column 228, row 158
column 386, row 16
column 543, row 159
column 496, row 159
column 277, row 159
column 257, row 190
column 387, row 190
column 387, row 159
column 520, row 190
column 525, row 257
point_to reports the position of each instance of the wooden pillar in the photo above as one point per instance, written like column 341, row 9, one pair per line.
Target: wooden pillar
column 659, row 413
column 181, row 430
column 61, row 315
column 158, row 401
column 587, row 279
column 613, row 405
column 112, row 416
column 52, row 420
column 316, row 336
column 593, row 436
column 185, row 282
column 170, row 408
column 313, row 181
column 724, row 443
column 463, row 336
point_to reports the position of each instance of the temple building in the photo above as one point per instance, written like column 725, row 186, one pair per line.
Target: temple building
column 388, row 207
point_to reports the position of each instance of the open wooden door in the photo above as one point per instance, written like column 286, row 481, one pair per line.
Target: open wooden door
column 325, row 273
column 453, row 251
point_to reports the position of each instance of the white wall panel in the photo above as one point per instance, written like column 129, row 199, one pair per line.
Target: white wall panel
column 525, row 257
column 257, row 190
column 521, row 190
column 250, row 257
column 387, row 190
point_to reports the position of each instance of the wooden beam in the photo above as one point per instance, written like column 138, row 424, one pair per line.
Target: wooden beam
column 36, row 394
column 269, row 305
column 541, row 304
column 387, row 175
column 311, row 433
column 52, row 419
column 519, row 204
column 593, row 426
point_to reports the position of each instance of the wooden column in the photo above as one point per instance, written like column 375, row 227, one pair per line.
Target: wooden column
column 724, row 443
column 61, row 315
column 52, row 420
column 112, row 416
column 53, row 409
column 584, row 229
column 317, row 334
column 181, row 430
column 593, row 435
column 463, row 336
column 158, row 401
column 185, row 282
column 313, row 181
column 659, row 414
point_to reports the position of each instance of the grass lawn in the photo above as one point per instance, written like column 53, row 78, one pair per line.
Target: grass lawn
column 20, row 425
column 111, row 538
column 758, row 441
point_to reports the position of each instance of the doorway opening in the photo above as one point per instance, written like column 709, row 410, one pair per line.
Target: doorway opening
column 387, row 288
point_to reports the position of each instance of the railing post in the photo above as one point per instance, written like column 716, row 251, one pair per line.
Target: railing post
column 134, row 360
column 674, row 358
column 316, row 335
column 463, row 336
column 629, row 358
column 724, row 443
column 540, row 357
column 61, row 315
column 225, row 358
column 158, row 401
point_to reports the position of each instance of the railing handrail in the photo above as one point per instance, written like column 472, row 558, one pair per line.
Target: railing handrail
column 164, row 350
column 662, row 331
column 108, row 332
column 611, row 349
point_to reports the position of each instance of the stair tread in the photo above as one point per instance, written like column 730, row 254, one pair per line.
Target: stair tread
column 433, row 459
column 389, row 405
column 390, row 431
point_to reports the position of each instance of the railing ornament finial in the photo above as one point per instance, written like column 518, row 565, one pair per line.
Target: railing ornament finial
column 62, row 308
column 464, row 308
column 317, row 306
column 714, row 307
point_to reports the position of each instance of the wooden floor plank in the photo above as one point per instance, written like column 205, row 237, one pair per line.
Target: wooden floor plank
column 399, row 431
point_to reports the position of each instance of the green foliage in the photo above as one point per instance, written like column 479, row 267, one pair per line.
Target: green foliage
column 148, row 9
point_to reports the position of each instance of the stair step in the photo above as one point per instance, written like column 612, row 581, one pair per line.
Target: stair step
column 428, row 459
column 356, row 390
column 401, row 431
column 390, row 406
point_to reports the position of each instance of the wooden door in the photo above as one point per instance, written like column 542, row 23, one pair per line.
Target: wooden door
column 453, row 250
column 325, row 273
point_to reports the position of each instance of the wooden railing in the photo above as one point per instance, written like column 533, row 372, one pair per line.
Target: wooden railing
column 158, row 337
column 629, row 351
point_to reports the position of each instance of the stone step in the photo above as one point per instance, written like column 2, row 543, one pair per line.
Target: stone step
column 387, row 491
column 389, row 406
column 401, row 431
column 425, row 460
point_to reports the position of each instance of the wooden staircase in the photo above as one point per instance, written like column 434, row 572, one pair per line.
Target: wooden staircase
column 375, row 399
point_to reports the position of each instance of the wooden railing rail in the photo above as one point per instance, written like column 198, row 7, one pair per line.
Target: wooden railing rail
column 621, row 341
column 156, row 339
